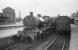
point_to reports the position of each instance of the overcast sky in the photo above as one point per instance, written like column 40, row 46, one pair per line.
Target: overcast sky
column 44, row 7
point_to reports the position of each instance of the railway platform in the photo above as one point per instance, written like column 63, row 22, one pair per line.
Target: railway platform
column 74, row 37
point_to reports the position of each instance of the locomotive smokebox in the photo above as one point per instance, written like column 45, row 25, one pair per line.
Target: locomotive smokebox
column 29, row 21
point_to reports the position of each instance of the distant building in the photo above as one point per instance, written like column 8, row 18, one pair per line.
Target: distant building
column 1, row 14
column 75, row 16
column 19, row 19
column 3, row 19
column 10, row 13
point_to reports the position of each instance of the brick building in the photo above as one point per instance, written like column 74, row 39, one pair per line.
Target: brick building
column 10, row 14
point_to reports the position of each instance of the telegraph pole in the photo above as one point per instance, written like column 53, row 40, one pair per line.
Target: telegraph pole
column 19, row 15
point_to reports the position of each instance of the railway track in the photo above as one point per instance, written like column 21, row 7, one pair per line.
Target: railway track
column 19, row 46
column 61, row 43
column 13, row 46
column 58, row 43
column 23, row 46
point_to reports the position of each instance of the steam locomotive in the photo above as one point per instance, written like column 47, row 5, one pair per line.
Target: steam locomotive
column 35, row 29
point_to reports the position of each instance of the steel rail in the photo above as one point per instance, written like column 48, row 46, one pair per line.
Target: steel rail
column 53, row 42
column 50, row 44
column 13, row 46
column 64, row 45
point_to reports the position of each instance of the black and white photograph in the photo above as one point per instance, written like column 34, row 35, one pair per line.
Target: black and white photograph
column 38, row 24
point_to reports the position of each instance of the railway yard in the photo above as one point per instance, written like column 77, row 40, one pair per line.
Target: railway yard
column 54, row 42
column 39, row 25
column 51, row 34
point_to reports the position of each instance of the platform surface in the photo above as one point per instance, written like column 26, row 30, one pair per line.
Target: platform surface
column 74, row 37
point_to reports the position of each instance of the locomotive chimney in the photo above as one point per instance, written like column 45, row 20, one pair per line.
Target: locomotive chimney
column 31, row 13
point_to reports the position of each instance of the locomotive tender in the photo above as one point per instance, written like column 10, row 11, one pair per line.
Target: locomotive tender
column 63, row 25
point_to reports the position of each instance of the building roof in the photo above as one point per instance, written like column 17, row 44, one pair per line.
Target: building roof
column 8, row 8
